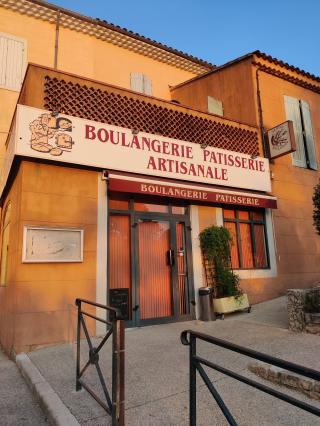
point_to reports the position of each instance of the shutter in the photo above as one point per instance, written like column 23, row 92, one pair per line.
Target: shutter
column 3, row 59
column 307, row 124
column 147, row 85
column 136, row 81
column 292, row 108
column 215, row 106
column 12, row 62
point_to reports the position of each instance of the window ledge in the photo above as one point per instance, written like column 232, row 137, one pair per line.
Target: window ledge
column 256, row 273
column 10, row 89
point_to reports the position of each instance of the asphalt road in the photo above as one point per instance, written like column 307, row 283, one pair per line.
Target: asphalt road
column 17, row 404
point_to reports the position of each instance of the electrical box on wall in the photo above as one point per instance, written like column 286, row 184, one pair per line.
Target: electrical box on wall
column 119, row 298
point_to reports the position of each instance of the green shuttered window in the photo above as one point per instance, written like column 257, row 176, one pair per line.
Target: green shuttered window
column 298, row 111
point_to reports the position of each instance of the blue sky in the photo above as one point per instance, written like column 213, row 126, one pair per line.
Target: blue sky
column 219, row 31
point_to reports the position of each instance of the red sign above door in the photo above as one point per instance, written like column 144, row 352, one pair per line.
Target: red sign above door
column 191, row 193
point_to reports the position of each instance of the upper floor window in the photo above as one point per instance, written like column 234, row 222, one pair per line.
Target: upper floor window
column 140, row 83
column 12, row 61
column 299, row 112
column 249, row 244
column 215, row 106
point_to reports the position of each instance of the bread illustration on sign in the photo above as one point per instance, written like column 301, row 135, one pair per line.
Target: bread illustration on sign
column 49, row 134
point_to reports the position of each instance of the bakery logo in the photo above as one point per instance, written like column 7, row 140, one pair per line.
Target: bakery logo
column 51, row 135
column 280, row 138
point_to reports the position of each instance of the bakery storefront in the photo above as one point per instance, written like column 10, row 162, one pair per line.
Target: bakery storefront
column 151, row 237
column 96, row 207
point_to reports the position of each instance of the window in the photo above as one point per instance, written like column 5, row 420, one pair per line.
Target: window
column 299, row 112
column 248, row 231
column 12, row 61
column 140, row 83
column 5, row 245
column 215, row 106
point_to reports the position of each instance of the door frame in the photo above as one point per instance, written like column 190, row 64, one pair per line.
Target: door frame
column 172, row 219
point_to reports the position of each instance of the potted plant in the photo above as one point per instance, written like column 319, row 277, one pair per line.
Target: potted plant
column 215, row 242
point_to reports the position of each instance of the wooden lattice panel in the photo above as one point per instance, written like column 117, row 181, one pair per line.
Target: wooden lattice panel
column 124, row 111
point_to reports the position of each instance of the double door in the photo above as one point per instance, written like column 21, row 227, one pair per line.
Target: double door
column 157, row 269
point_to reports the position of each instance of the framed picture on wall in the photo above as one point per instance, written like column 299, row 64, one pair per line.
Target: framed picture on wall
column 43, row 244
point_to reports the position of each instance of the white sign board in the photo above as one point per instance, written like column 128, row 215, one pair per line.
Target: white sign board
column 78, row 141
column 52, row 245
column 281, row 139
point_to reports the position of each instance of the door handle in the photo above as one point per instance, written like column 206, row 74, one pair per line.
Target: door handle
column 170, row 257
column 135, row 308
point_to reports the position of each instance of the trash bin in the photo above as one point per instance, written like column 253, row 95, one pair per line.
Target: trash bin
column 206, row 308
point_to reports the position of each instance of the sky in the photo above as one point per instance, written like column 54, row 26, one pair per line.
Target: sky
column 219, row 30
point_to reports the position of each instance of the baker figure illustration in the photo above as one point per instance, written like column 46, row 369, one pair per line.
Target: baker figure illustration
column 48, row 134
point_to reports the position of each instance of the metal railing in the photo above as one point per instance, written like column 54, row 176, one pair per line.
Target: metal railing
column 113, row 405
column 189, row 338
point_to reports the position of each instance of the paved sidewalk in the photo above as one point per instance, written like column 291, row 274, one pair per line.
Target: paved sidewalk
column 17, row 405
column 157, row 372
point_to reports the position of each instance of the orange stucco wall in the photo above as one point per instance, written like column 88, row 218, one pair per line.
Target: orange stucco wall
column 37, row 306
column 8, row 292
column 297, row 244
column 80, row 54
column 224, row 85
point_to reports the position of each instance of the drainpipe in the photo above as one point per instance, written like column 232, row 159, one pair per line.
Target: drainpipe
column 56, row 45
column 260, row 115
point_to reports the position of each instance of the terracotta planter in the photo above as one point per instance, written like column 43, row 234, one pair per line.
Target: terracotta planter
column 226, row 305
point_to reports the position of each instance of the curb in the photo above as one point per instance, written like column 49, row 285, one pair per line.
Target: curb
column 56, row 411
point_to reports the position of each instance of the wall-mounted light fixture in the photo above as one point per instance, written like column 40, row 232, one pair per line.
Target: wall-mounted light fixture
column 204, row 145
column 254, row 156
column 104, row 175
column 135, row 131
column 55, row 113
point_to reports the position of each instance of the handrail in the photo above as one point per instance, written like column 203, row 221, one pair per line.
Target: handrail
column 189, row 338
column 278, row 362
column 113, row 405
column 98, row 305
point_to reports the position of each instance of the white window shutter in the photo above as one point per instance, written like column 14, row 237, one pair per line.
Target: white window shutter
column 140, row 83
column 12, row 61
column 307, row 123
column 292, row 108
column 215, row 106
column 3, row 59
column 136, row 81
column 147, row 85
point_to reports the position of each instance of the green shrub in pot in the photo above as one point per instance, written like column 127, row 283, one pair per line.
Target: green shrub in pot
column 215, row 242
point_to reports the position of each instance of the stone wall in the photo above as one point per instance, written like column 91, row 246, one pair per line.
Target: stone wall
column 299, row 319
column 281, row 377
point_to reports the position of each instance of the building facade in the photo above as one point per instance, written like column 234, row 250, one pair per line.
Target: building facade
column 117, row 151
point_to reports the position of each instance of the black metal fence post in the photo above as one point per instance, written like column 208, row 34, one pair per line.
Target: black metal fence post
column 118, row 373
column 78, row 385
column 193, row 381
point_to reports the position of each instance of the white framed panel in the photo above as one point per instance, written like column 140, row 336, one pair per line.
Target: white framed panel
column 47, row 245
column 196, row 255
column 102, row 253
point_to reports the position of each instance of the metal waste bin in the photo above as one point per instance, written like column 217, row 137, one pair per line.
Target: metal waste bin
column 206, row 307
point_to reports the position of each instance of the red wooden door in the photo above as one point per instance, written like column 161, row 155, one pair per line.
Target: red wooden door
column 155, row 275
